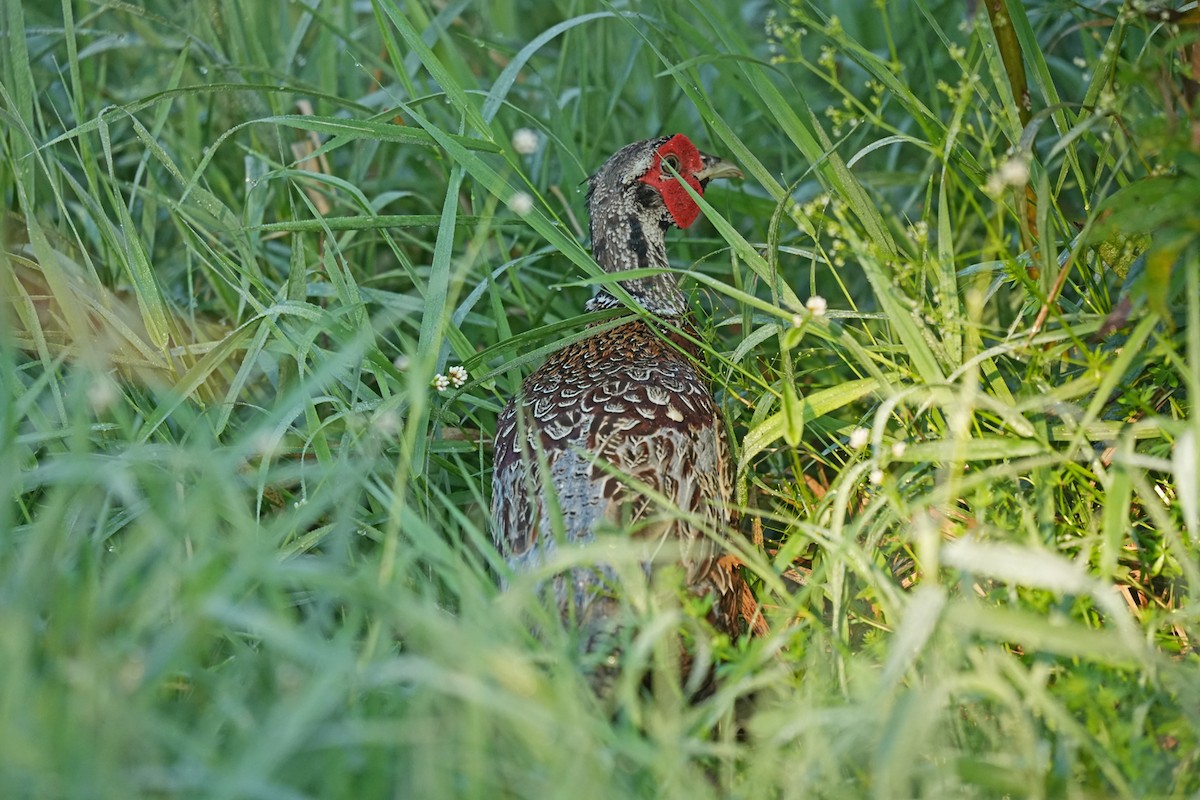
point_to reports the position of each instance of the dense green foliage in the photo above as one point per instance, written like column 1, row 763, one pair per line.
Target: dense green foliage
column 243, row 542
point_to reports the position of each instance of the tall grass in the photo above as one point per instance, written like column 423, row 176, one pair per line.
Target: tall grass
column 244, row 544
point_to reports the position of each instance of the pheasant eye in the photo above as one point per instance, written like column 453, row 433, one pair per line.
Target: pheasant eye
column 672, row 161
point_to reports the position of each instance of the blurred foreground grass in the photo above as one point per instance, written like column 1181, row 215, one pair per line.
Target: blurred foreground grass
column 243, row 543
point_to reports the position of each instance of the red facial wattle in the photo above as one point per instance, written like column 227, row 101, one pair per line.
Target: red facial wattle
column 679, row 203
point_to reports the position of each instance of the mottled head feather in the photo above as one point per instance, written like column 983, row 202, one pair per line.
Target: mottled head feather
column 632, row 200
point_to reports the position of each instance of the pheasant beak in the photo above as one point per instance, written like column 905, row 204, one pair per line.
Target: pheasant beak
column 717, row 168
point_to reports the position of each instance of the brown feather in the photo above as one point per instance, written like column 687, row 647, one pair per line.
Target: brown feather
column 610, row 422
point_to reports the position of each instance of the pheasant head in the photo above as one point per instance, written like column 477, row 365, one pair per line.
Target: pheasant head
column 633, row 199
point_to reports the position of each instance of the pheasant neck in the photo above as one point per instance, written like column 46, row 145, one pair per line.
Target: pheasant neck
column 625, row 242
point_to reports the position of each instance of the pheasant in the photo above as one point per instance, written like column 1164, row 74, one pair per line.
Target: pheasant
column 625, row 415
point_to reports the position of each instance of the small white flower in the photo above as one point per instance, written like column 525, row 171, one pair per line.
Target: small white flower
column 859, row 438
column 1079, row 62
column 525, row 141
column 458, row 376
column 1014, row 172
column 919, row 231
column 797, row 320
column 101, row 393
column 876, row 476
column 386, row 423
column 898, row 449
column 520, row 204
column 441, row 382
column 401, row 362
column 816, row 305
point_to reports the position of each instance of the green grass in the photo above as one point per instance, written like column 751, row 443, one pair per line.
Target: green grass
column 244, row 546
